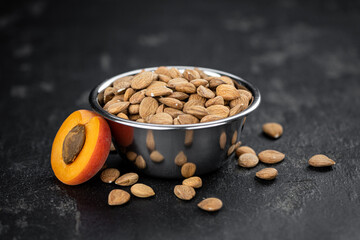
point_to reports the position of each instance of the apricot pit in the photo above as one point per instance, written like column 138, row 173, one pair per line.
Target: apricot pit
column 73, row 143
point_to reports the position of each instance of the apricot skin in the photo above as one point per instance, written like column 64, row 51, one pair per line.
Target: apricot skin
column 93, row 154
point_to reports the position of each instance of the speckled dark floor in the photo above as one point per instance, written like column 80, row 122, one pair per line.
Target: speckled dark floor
column 304, row 57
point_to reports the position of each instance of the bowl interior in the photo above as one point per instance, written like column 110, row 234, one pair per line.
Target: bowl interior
column 211, row 72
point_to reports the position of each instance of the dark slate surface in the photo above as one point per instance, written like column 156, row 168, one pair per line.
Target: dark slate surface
column 304, row 57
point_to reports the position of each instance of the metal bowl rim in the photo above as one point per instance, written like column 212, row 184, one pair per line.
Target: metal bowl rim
column 96, row 106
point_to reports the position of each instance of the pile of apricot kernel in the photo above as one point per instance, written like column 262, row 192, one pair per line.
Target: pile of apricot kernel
column 81, row 147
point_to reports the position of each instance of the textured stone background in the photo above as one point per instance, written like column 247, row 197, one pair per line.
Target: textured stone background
column 304, row 56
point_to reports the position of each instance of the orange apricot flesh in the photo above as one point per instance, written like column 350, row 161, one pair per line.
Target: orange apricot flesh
column 93, row 154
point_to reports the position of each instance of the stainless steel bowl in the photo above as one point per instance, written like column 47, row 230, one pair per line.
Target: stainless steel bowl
column 204, row 144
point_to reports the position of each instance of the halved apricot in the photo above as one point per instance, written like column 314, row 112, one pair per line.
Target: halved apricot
column 81, row 147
